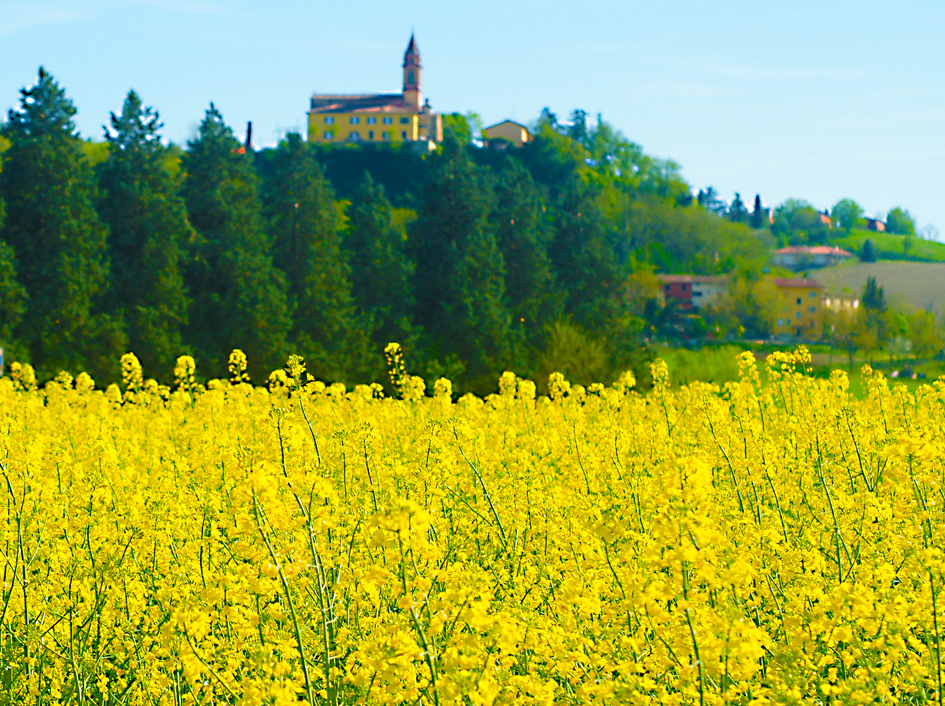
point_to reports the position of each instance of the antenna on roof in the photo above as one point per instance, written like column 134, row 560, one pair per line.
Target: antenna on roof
column 249, row 136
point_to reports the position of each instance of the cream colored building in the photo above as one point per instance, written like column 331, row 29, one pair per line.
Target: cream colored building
column 509, row 131
column 381, row 117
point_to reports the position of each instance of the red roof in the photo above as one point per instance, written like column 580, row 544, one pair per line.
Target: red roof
column 798, row 282
column 694, row 279
column 812, row 250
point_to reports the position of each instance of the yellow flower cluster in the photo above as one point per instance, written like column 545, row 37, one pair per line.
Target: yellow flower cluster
column 756, row 543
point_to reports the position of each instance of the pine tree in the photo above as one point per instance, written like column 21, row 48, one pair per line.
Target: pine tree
column 12, row 294
column 757, row 218
column 737, row 213
column 525, row 233
column 459, row 280
column 380, row 270
column 873, row 299
column 239, row 297
column 58, row 239
column 301, row 215
column 148, row 227
column 868, row 254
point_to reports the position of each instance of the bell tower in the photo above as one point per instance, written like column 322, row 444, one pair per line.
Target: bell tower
column 412, row 96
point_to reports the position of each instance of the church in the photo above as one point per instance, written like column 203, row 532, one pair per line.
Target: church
column 383, row 117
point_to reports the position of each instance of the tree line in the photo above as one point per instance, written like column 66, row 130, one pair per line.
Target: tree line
column 514, row 259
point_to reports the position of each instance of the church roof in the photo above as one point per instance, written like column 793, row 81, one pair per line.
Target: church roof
column 412, row 48
column 369, row 103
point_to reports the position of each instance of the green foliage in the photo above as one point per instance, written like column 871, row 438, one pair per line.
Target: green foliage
column 457, row 126
column 398, row 168
column 796, row 222
column 301, row 216
column 868, row 253
column 689, row 240
column 524, row 233
column 889, row 246
column 737, row 212
column 58, row 240
column 873, row 298
column 718, row 364
column 12, row 294
column 148, row 228
column 581, row 358
column 750, row 308
column 585, row 261
column 900, row 222
column 758, row 218
column 380, row 270
column 847, row 214
column 242, row 298
column 459, row 280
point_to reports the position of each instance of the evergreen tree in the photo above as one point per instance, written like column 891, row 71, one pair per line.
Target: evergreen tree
column 239, row 297
column 524, row 233
column 12, row 294
column 584, row 259
column 58, row 239
column 300, row 210
column 459, row 280
column 873, row 299
column 868, row 253
column 757, row 218
column 148, row 227
column 737, row 212
column 380, row 270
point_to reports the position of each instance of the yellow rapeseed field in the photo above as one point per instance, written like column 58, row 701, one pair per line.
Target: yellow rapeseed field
column 231, row 544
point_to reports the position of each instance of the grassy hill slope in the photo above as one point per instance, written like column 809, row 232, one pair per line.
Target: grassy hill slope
column 893, row 247
column 920, row 285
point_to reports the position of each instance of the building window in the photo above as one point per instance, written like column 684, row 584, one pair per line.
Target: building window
column 798, row 301
column 386, row 136
column 355, row 121
column 329, row 134
column 371, row 121
column 812, row 294
column 403, row 135
column 355, row 137
column 370, row 136
column 798, row 314
column 388, row 121
column 813, row 309
column 329, row 119
column 405, row 121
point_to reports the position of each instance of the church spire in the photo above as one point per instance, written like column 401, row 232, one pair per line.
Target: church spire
column 412, row 96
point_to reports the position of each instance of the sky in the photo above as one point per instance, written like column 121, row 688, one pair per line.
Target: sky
column 817, row 100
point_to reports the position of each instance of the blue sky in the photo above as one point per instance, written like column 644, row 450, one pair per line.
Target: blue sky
column 814, row 100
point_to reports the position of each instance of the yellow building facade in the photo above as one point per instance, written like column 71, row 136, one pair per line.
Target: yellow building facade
column 509, row 131
column 801, row 309
column 383, row 117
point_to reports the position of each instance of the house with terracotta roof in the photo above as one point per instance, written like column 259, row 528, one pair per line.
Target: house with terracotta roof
column 800, row 311
column 377, row 117
column 693, row 292
column 877, row 224
column 802, row 257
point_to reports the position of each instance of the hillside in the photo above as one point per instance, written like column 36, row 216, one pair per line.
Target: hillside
column 893, row 247
column 920, row 285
